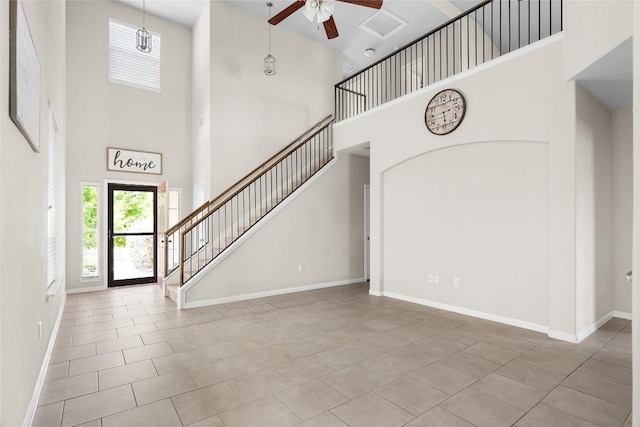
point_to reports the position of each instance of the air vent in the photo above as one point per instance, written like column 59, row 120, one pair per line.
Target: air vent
column 383, row 25
column 347, row 68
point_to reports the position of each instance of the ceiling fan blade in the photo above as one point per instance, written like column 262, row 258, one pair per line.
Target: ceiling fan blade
column 298, row 4
column 330, row 28
column 374, row 4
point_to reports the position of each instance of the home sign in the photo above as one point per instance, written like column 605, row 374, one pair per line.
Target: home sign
column 122, row 160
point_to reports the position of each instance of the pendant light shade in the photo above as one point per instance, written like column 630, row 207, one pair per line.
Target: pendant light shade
column 269, row 60
column 144, row 42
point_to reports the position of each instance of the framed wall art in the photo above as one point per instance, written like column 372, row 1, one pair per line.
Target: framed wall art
column 24, row 93
column 121, row 160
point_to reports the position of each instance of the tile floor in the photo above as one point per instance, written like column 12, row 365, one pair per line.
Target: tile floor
column 331, row 357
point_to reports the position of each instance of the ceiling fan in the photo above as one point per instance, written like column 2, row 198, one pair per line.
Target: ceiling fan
column 321, row 11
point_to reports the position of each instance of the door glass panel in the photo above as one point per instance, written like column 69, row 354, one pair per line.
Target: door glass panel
column 133, row 257
column 132, row 211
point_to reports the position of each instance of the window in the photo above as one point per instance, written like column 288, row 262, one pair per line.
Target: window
column 174, row 206
column 51, row 207
column 127, row 64
column 90, row 227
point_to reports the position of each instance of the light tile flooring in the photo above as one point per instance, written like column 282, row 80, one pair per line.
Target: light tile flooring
column 331, row 357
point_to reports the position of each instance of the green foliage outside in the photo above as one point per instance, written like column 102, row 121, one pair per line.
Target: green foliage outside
column 129, row 208
column 90, row 212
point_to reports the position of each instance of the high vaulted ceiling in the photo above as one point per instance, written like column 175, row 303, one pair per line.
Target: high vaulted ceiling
column 420, row 17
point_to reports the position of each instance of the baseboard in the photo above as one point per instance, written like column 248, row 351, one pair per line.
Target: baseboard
column 235, row 298
column 622, row 315
column 33, row 404
column 468, row 312
column 87, row 289
column 594, row 326
column 376, row 293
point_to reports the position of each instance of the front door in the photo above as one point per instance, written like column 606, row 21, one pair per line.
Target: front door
column 132, row 234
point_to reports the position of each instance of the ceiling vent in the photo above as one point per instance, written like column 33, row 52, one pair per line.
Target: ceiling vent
column 383, row 25
column 347, row 68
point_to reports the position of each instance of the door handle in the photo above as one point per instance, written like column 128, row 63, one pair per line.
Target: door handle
column 629, row 276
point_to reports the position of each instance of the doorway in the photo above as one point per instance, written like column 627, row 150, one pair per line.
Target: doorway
column 132, row 230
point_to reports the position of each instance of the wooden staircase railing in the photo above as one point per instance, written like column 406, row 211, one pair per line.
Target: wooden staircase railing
column 195, row 241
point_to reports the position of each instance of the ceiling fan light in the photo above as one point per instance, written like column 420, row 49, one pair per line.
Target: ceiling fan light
column 310, row 14
column 327, row 7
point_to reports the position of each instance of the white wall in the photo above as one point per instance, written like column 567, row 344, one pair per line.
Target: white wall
column 622, row 195
column 322, row 229
column 636, row 213
column 253, row 115
column 23, row 216
column 201, row 100
column 396, row 132
column 592, row 29
column 594, row 226
column 104, row 114
column 478, row 213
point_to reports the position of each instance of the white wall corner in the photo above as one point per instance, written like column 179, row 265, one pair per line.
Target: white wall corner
column 563, row 336
column 33, row 404
column 622, row 315
column 594, row 326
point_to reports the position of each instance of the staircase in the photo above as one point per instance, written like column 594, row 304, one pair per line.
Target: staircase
column 213, row 228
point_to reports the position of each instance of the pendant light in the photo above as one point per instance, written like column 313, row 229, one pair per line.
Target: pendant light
column 269, row 60
column 143, row 37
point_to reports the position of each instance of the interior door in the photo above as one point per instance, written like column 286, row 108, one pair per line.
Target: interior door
column 132, row 230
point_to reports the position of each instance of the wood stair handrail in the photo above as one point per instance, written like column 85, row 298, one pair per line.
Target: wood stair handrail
column 320, row 125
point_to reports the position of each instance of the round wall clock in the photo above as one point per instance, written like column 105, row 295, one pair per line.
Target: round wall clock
column 445, row 112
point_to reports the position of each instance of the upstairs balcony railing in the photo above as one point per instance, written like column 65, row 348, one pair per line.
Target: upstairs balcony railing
column 485, row 32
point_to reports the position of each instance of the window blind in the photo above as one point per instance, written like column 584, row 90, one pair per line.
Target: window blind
column 127, row 64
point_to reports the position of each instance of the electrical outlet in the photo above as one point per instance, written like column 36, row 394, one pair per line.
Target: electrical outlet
column 456, row 282
column 431, row 278
column 300, row 268
column 436, row 279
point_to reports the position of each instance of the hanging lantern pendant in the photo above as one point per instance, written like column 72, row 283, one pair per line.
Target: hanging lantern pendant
column 144, row 43
column 269, row 60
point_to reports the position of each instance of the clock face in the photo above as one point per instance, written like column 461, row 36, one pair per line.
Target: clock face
column 445, row 112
